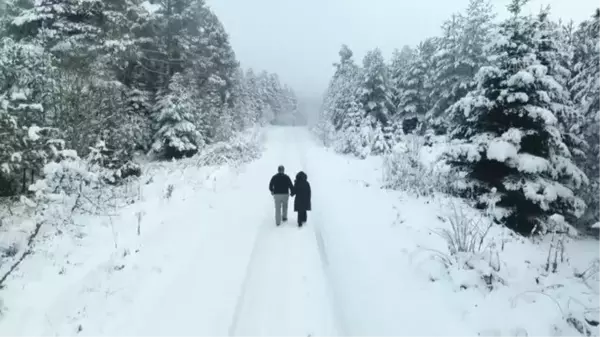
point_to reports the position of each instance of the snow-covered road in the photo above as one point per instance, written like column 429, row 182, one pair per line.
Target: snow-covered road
column 210, row 261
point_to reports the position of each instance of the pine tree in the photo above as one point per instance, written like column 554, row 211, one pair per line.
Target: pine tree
column 415, row 86
column 375, row 93
column 510, row 141
column 66, row 28
column 350, row 135
column 342, row 91
column 26, row 72
column 450, row 72
column 553, row 52
column 255, row 102
column 585, row 90
column 176, row 135
column 380, row 142
column 462, row 52
column 401, row 59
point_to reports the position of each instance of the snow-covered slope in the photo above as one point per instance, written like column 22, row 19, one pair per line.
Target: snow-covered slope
column 210, row 261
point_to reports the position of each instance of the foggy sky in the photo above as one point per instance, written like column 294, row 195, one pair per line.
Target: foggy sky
column 299, row 39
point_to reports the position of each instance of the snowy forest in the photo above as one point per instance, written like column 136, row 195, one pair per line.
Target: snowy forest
column 101, row 81
column 516, row 100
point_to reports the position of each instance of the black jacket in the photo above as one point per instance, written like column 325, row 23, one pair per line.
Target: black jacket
column 302, row 192
column 281, row 184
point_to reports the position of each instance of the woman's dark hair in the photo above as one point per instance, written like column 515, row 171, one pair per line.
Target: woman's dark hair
column 301, row 176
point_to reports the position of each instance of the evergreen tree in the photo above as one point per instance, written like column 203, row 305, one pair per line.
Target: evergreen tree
column 585, row 90
column 510, row 141
column 398, row 69
column 67, row 28
column 376, row 98
column 450, row 73
column 553, row 52
column 375, row 94
column 462, row 52
column 342, row 91
column 415, row 86
column 177, row 134
column 26, row 77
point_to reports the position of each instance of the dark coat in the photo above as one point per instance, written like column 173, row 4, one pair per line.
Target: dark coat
column 281, row 184
column 302, row 193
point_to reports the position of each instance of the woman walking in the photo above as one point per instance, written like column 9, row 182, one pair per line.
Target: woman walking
column 302, row 197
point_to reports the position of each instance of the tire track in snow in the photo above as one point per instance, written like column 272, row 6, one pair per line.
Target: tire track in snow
column 280, row 150
column 304, row 142
column 244, row 287
column 285, row 290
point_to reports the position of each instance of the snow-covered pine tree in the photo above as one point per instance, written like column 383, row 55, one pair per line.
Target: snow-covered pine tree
column 255, row 102
column 217, row 58
column 380, row 141
column 26, row 74
column 376, row 98
column 361, row 140
column 211, row 109
column 343, row 89
column 449, row 68
column 242, row 113
column 415, row 86
column 348, row 138
column 175, row 117
column 554, row 52
column 585, row 90
column 397, row 71
column 510, row 141
column 290, row 106
column 340, row 103
column 66, row 28
column 462, row 52
column 9, row 147
column 375, row 94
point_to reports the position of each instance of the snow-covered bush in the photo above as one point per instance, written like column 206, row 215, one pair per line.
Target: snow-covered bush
column 466, row 234
column 472, row 259
column 325, row 131
column 71, row 184
column 355, row 140
column 559, row 231
column 591, row 275
column 99, row 157
column 243, row 148
column 590, row 220
column 66, row 185
column 404, row 170
column 11, row 250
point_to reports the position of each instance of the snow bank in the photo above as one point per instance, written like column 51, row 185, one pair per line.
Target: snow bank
column 94, row 238
column 497, row 283
column 509, row 284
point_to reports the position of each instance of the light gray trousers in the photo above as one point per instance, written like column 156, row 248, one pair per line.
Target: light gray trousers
column 281, row 201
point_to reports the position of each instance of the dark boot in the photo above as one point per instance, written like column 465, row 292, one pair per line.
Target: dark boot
column 301, row 218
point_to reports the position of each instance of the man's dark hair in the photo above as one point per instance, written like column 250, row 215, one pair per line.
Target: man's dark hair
column 280, row 169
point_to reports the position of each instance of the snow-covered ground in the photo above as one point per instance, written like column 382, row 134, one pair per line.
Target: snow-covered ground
column 210, row 261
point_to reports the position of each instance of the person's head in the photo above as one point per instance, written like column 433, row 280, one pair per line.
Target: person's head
column 301, row 176
column 280, row 169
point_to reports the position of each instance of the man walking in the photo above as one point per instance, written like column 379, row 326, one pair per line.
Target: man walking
column 281, row 186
